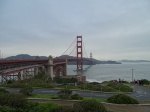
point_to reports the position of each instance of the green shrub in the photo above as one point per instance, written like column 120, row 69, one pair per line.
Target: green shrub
column 108, row 89
column 95, row 83
column 44, row 85
column 54, row 97
column 76, row 97
column 9, row 82
column 46, row 107
column 120, row 87
column 64, row 109
column 28, row 107
column 13, row 100
column 6, row 109
column 65, row 80
column 145, row 81
column 122, row 99
column 64, row 93
column 125, row 88
column 3, row 91
column 91, row 105
column 16, row 85
column 27, row 91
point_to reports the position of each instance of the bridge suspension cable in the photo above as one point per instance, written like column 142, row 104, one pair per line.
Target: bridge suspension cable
column 72, row 50
column 70, row 47
column 85, row 50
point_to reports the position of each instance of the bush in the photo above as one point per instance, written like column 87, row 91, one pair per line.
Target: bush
column 64, row 109
column 54, row 97
column 27, row 91
column 95, row 83
column 91, row 105
column 145, row 82
column 3, row 91
column 108, row 89
column 6, row 109
column 9, row 82
column 65, row 80
column 120, row 87
column 122, row 99
column 40, row 75
column 13, row 100
column 16, row 85
column 29, row 107
column 46, row 107
column 64, row 93
column 76, row 97
column 125, row 88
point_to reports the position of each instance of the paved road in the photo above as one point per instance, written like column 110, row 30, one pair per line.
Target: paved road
column 140, row 93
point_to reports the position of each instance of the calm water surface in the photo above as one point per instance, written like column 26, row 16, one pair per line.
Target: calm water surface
column 105, row 72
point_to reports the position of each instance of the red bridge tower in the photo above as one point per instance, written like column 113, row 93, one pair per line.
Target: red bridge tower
column 79, row 54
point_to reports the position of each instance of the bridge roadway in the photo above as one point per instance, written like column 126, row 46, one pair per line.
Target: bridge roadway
column 140, row 93
column 7, row 64
column 15, row 70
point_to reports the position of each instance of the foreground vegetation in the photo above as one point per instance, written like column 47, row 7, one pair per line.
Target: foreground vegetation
column 12, row 102
column 17, row 102
column 41, row 80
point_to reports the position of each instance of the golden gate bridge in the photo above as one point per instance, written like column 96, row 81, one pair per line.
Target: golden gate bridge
column 53, row 66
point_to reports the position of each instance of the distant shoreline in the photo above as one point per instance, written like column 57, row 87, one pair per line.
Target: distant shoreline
column 135, row 61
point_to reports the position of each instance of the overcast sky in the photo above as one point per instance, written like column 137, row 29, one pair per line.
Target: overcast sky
column 111, row 29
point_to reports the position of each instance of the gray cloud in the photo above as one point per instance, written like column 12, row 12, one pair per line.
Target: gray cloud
column 111, row 29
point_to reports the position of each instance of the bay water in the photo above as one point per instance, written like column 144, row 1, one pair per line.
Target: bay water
column 107, row 72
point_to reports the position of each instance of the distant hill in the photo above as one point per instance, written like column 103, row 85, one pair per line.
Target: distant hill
column 134, row 60
column 88, row 62
column 26, row 56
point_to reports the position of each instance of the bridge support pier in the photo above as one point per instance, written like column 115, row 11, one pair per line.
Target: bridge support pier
column 37, row 70
column 49, row 67
column 19, row 76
